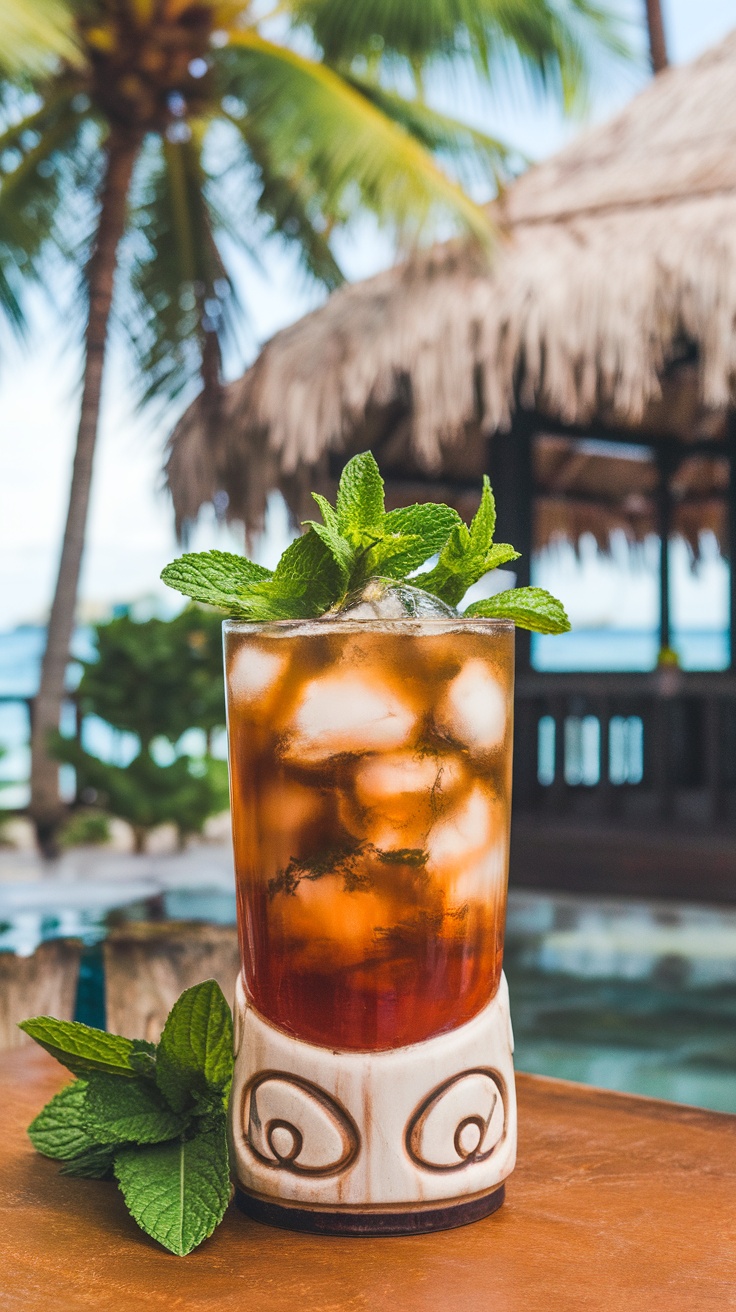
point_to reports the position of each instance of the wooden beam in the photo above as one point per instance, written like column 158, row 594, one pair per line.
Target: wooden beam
column 597, row 432
column 664, row 503
column 511, row 473
column 732, row 537
column 657, row 39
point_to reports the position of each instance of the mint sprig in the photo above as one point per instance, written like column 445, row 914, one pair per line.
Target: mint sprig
column 529, row 608
column 154, row 1116
column 357, row 541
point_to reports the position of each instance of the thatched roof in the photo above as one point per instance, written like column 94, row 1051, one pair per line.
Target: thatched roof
column 609, row 300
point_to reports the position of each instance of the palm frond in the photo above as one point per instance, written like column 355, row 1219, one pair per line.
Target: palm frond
column 292, row 206
column 41, row 162
column 35, row 33
column 551, row 42
column 472, row 155
column 320, row 126
column 182, row 304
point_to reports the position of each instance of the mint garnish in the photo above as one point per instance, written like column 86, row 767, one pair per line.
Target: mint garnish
column 155, row 1116
column 80, row 1048
column 529, row 608
column 60, row 1130
column 194, row 1063
column 178, row 1192
column 468, row 554
column 357, row 541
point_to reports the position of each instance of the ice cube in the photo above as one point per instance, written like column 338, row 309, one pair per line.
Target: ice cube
column 345, row 711
column 254, row 672
column 468, row 849
column 327, row 925
column 473, row 708
column 381, row 599
column 285, row 804
column 399, row 796
column 382, row 778
column 465, row 833
column 480, row 881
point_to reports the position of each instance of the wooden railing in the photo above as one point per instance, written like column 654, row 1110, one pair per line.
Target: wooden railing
column 644, row 748
column 636, row 747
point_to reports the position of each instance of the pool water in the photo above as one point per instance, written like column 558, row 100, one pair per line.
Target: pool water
column 634, row 996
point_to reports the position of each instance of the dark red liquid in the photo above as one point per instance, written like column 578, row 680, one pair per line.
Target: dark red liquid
column 370, row 777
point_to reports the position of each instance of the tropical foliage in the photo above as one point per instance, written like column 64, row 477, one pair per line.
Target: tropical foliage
column 154, row 680
column 140, row 137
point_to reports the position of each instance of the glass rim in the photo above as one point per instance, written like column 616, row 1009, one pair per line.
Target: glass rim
column 412, row 624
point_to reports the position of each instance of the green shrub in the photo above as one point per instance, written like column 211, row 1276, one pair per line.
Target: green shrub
column 155, row 679
column 86, row 829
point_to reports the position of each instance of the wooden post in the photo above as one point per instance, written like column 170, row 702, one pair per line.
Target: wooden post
column 657, row 40
column 731, row 513
column 44, row 984
column 148, row 965
column 512, row 479
column 664, row 499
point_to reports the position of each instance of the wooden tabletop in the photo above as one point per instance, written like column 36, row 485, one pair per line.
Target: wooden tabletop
column 618, row 1204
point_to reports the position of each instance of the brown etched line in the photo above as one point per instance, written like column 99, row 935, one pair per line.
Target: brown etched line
column 466, row 1155
column 277, row 1142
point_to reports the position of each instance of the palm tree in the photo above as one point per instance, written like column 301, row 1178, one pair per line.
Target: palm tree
column 657, row 40
column 136, row 134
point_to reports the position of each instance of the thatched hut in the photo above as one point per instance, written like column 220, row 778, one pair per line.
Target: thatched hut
column 608, row 310
column 590, row 364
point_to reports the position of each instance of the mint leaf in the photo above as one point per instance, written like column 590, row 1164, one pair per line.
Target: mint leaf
column 483, row 525
column 195, row 1055
column 468, row 554
column 338, row 546
column 94, row 1164
column 431, row 523
column 391, row 557
column 360, row 505
column 329, row 514
column 448, row 579
column 218, row 578
column 307, row 578
column 60, row 1129
column 529, row 608
column 79, row 1047
column 407, row 538
column 128, row 1111
column 143, row 1058
column 178, row 1192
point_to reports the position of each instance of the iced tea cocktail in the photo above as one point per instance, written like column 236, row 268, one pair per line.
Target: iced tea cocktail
column 371, row 791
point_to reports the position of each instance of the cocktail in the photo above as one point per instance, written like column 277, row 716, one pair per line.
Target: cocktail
column 371, row 788
column 370, row 740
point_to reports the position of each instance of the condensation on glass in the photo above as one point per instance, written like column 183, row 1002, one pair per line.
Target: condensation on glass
column 370, row 768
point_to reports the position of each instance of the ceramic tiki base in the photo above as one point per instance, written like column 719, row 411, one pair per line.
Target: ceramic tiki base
column 412, row 1139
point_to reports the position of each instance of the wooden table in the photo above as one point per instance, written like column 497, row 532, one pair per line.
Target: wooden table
column 618, row 1204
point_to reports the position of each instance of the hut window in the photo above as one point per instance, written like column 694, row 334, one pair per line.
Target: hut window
column 546, row 751
column 626, row 749
column 582, row 750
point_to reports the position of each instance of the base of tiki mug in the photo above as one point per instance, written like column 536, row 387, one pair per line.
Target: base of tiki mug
column 396, row 1142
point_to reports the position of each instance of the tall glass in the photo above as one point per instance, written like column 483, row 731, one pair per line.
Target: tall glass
column 371, row 790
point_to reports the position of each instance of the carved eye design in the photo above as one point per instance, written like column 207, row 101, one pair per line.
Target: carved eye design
column 462, row 1121
column 295, row 1126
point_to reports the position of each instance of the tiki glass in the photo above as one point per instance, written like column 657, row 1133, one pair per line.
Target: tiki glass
column 370, row 768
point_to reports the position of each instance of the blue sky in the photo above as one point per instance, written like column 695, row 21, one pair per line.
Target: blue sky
column 131, row 534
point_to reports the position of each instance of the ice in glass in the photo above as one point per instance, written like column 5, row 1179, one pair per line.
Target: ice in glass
column 370, row 771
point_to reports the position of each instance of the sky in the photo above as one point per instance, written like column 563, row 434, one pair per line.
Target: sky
column 131, row 533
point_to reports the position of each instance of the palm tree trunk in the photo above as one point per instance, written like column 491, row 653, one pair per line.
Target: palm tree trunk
column 46, row 808
column 657, row 40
